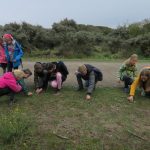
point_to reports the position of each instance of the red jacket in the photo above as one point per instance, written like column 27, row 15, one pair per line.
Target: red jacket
column 2, row 55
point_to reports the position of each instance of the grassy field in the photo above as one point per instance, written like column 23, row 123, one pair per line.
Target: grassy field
column 69, row 122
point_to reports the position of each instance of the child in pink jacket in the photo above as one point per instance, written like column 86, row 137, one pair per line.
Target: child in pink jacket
column 9, row 84
column 3, row 60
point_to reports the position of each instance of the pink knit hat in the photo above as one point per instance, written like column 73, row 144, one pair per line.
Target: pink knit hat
column 7, row 36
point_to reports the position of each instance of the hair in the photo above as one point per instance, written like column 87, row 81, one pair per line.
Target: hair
column 27, row 71
column 82, row 68
column 133, row 56
column 50, row 66
column 19, row 73
column 145, row 72
column 37, row 65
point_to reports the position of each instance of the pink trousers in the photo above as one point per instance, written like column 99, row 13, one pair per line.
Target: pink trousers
column 57, row 84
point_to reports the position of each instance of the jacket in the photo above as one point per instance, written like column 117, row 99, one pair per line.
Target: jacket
column 2, row 55
column 8, row 80
column 61, row 67
column 93, row 75
column 23, row 85
column 43, row 74
column 135, row 84
column 18, row 53
column 127, row 70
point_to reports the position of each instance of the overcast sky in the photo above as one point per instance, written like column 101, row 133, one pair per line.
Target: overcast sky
column 110, row 13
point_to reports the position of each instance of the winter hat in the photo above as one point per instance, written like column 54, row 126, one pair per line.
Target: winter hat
column 8, row 36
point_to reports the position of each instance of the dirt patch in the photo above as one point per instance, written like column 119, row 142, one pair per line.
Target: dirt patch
column 109, row 72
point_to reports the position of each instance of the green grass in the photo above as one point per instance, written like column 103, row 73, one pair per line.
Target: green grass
column 90, row 59
column 69, row 122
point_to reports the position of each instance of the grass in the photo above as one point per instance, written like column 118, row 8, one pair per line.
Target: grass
column 89, row 59
column 69, row 122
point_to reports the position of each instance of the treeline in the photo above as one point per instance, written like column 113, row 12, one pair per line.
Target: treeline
column 69, row 39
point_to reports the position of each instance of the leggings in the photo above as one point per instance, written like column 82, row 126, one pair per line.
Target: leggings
column 127, row 81
column 57, row 83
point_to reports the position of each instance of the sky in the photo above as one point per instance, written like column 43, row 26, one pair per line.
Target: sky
column 111, row 13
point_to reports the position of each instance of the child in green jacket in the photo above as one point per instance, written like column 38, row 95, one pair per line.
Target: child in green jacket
column 128, row 72
column 28, row 73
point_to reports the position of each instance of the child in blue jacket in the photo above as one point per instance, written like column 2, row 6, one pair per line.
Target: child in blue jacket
column 13, row 52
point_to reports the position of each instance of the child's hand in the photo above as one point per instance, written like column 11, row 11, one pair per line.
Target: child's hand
column 88, row 97
column 30, row 94
column 38, row 91
column 130, row 98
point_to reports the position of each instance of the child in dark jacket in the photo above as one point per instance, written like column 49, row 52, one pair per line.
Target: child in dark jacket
column 40, row 76
column 58, row 74
column 13, row 52
column 3, row 61
column 91, row 75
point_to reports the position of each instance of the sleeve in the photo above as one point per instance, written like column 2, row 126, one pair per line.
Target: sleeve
column 135, row 73
column 23, row 85
column 20, row 54
column 121, row 70
column 36, row 80
column 134, row 86
column 14, row 86
column 91, row 83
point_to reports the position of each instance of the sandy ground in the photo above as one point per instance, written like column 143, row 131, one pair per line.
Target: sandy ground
column 109, row 70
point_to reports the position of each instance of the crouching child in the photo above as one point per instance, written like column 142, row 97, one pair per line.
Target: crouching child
column 91, row 75
column 25, row 89
column 58, row 74
column 9, row 84
column 143, row 81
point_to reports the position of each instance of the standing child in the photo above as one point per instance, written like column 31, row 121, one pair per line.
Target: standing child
column 13, row 52
column 143, row 81
column 91, row 75
column 128, row 72
column 3, row 61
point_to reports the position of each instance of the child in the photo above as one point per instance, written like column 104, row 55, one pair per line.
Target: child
column 3, row 61
column 13, row 52
column 143, row 81
column 58, row 74
column 40, row 77
column 27, row 73
column 91, row 75
column 128, row 72
column 9, row 84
